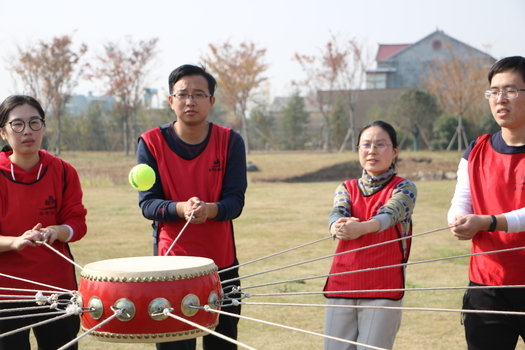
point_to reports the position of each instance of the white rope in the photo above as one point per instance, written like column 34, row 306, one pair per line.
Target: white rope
column 37, row 283
column 284, row 251
column 209, row 309
column 193, row 324
column 28, row 290
column 180, row 233
column 34, row 315
column 332, row 255
column 517, row 313
column 275, row 254
column 385, row 290
column 116, row 313
column 381, row 267
column 9, row 301
column 22, row 297
column 59, row 253
column 24, row 309
column 34, row 324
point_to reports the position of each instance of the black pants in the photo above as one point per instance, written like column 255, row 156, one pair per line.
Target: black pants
column 227, row 324
column 490, row 331
column 49, row 336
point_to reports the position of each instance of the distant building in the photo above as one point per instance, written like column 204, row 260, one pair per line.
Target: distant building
column 398, row 67
column 78, row 104
column 365, row 102
column 403, row 65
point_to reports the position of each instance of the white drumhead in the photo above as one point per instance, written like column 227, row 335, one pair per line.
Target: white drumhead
column 148, row 267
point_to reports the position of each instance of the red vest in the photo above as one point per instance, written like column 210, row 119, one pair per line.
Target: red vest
column 23, row 205
column 202, row 177
column 497, row 185
column 364, row 207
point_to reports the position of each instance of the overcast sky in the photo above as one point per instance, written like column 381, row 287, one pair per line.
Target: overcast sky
column 283, row 28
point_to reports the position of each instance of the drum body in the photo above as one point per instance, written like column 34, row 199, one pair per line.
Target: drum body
column 144, row 287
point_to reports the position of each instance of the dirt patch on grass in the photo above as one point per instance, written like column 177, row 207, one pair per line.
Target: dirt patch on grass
column 415, row 165
column 410, row 168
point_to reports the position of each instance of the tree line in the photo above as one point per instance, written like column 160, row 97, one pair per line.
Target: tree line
column 447, row 113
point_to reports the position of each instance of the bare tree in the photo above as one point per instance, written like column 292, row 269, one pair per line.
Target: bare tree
column 49, row 72
column 458, row 82
column 239, row 72
column 339, row 70
column 124, row 72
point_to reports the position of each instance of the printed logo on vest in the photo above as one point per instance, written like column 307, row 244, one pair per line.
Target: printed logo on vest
column 216, row 166
column 520, row 186
column 50, row 206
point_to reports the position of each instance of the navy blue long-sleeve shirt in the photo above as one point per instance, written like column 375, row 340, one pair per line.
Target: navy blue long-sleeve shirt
column 152, row 202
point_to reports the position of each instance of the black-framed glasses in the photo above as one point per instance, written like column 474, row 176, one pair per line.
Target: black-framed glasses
column 507, row 93
column 183, row 97
column 35, row 124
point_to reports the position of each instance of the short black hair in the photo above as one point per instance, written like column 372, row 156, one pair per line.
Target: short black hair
column 514, row 64
column 189, row 69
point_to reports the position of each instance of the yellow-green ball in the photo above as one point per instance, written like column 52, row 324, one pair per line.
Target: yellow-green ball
column 142, row 177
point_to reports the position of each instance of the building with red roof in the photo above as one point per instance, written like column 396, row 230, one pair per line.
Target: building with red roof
column 403, row 65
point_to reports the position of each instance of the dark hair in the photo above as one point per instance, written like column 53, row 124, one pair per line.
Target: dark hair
column 389, row 129
column 189, row 69
column 14, row 101
column 514, row 64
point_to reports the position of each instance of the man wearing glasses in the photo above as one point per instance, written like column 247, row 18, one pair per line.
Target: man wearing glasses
column 201, row 178
column 488, row 208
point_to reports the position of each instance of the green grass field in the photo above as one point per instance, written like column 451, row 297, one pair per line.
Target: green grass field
column 279, row 216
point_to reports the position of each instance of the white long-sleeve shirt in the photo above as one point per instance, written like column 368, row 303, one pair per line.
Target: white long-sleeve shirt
column 461, row 203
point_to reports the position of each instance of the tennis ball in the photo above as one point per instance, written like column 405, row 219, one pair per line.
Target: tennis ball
column 142, row 177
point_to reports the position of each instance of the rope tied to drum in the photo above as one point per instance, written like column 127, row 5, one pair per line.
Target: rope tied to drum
column 379, row 268
column 23, row 309
column 69, row 311
column 38, row 298
column 59, row 253
column 37, row 283
column 380, row 290
column 168, row 312
column 275, row 254
column 209, row 309
column 180, row 233
column 331, row 255
column 495, row 312
column 116, row 313
column 59, row 302
column 28, row 290
column 333, row 237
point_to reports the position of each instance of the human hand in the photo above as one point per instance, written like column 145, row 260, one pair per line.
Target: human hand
column 195, row 210
column 28, row 238
column 347, row 229
column 465, row 227
column 49, row 234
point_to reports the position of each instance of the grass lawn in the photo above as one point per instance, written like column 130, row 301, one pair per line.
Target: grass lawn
column 276, row 217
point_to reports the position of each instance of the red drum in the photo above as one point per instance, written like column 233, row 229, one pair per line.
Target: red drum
column 144, row 287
